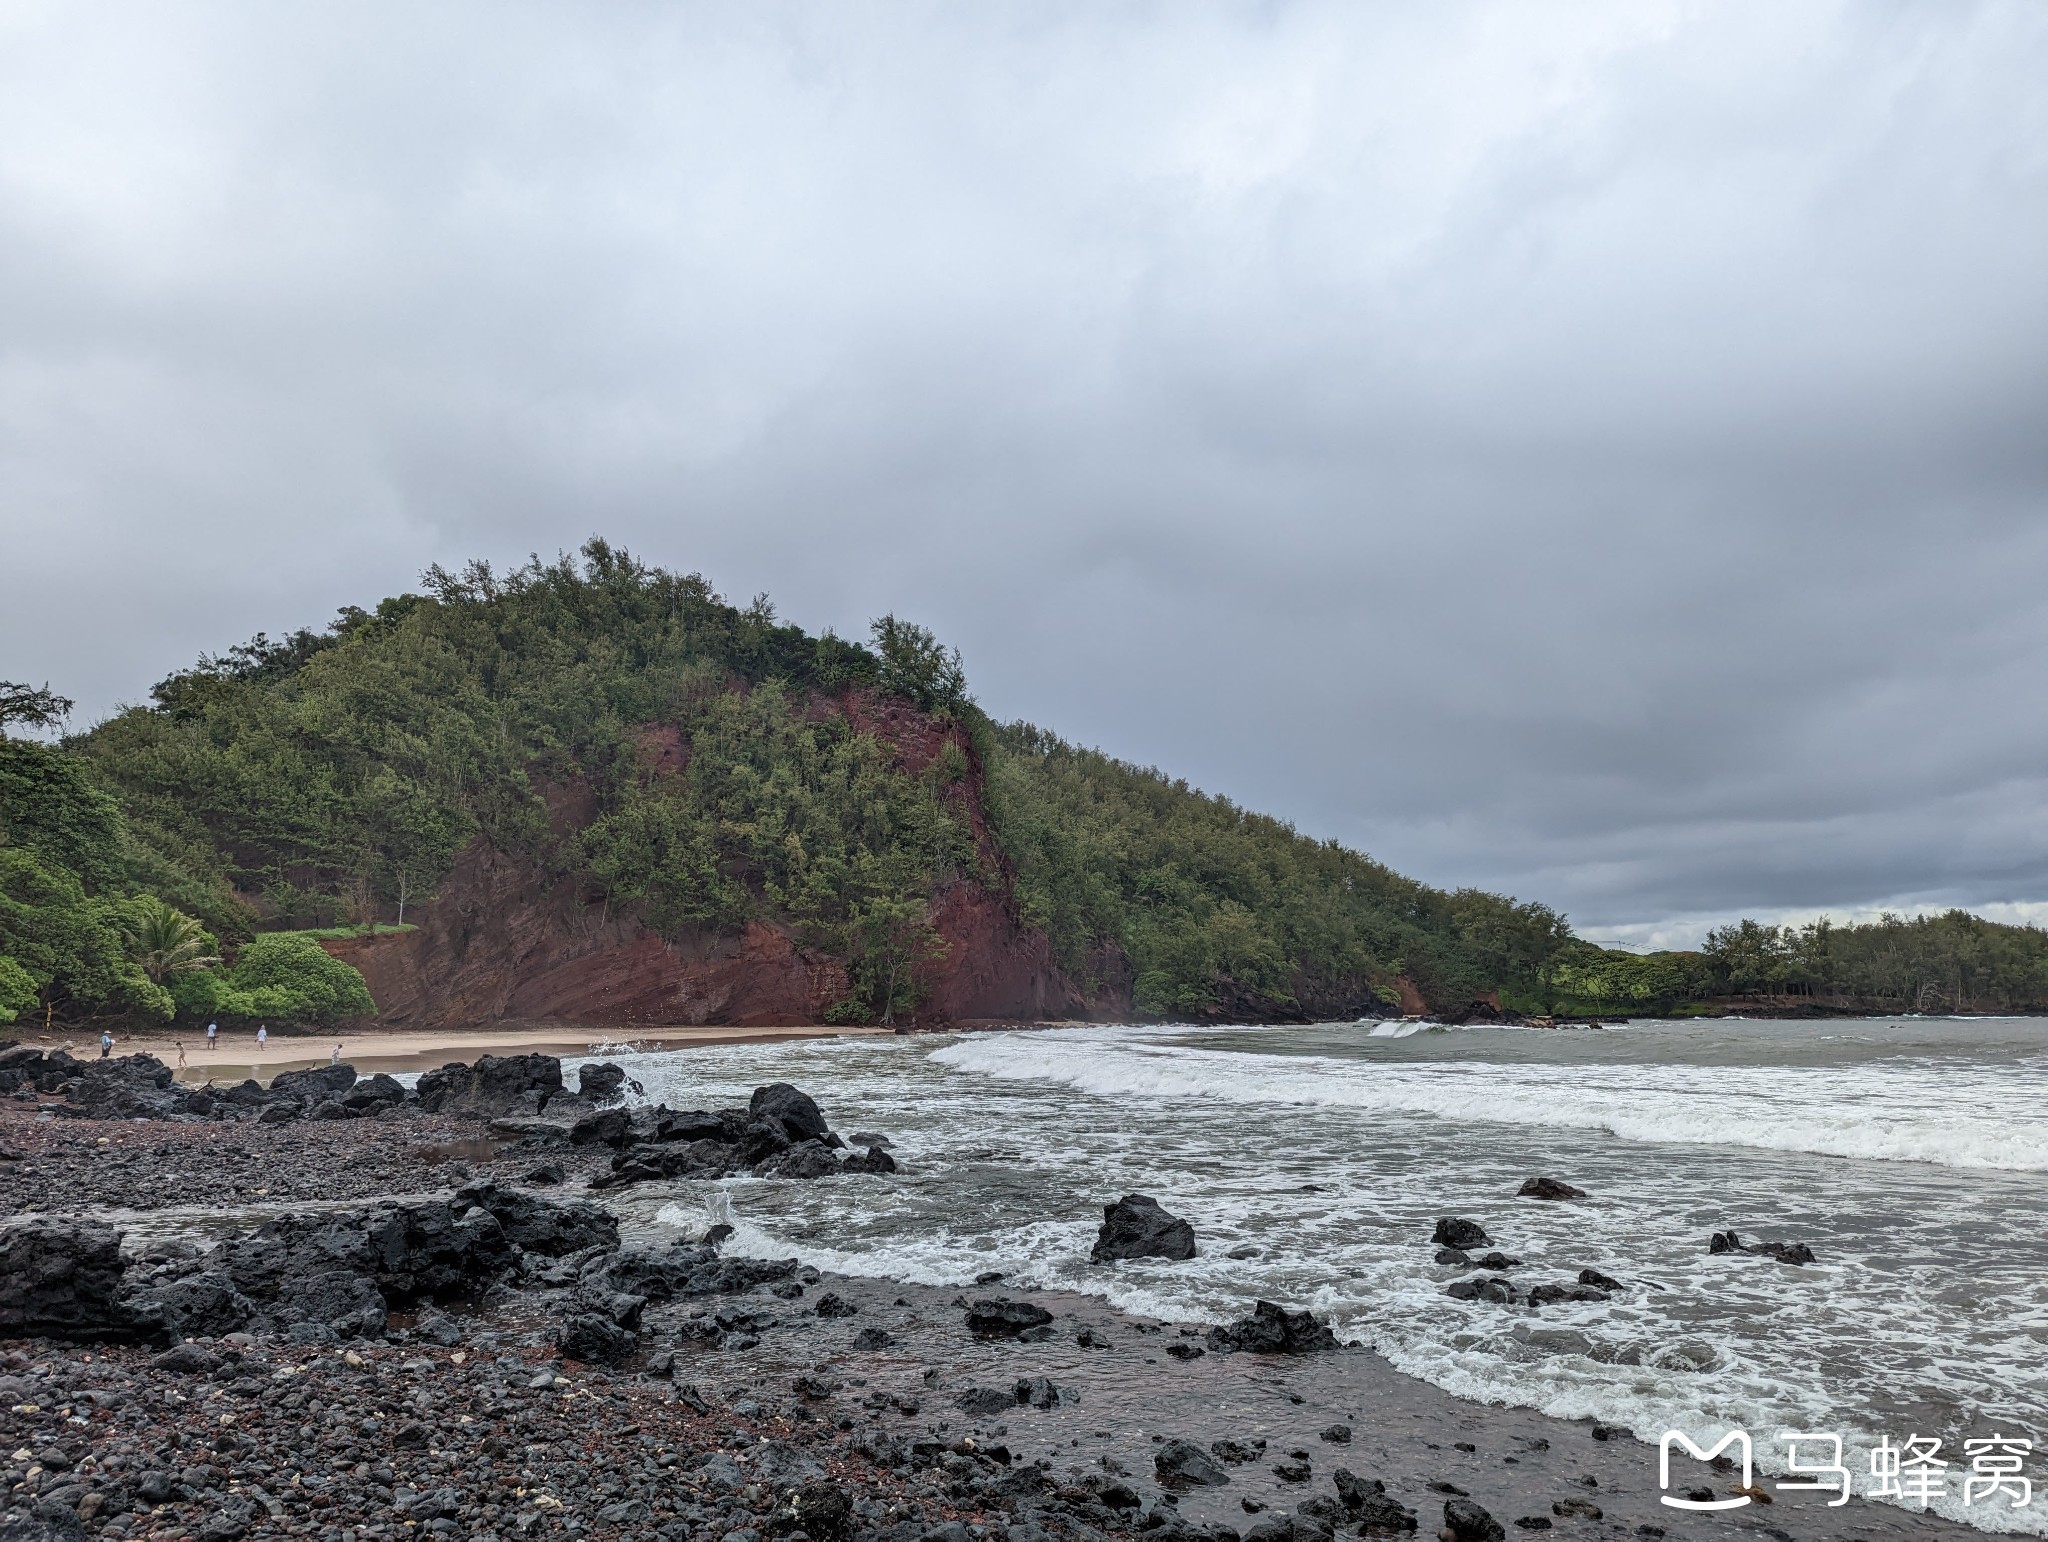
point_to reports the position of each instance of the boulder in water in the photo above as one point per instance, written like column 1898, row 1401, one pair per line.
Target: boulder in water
column 1456, row 1232
column 1137, row 1227
column 601, row 1082
column 1549, row 1188
column 1181, row 1464
column 795, row 1112
column 1273, row 1330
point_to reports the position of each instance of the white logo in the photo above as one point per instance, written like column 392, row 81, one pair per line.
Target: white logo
column 1732, row 1438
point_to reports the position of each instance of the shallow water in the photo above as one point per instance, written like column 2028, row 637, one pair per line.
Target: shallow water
column 1909, row 1154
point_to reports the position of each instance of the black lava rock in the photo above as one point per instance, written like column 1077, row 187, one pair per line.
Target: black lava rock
column 1181, row 1464
column 1136, row 1227
column 1549, row 1188
column 1455, row 1232
column 1273, row 1330
column 1469, row 1523
column 1001, row 1318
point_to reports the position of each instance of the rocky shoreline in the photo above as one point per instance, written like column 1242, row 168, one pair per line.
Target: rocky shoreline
column 422, row 1318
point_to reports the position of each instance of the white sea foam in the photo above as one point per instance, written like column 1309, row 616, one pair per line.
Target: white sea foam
column 1954, row 1120
column 1332, row 1160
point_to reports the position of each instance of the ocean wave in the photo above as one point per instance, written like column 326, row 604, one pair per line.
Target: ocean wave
column 1872, row 1113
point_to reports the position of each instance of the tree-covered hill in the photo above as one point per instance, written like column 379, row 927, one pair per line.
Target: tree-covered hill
column 666, row 761
column 603, row 787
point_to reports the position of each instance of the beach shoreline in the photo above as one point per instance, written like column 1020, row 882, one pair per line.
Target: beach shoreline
column 885, row 1392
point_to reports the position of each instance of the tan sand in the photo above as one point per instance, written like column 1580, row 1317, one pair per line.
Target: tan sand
column 237, row 1057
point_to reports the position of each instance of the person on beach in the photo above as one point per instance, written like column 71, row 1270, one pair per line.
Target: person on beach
column 180, row 1043
column 212, row 1034
column 106, row 1045
column 335, row 1058
column 262, row 1036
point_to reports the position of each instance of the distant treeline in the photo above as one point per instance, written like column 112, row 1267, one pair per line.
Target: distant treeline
column 1952, row 962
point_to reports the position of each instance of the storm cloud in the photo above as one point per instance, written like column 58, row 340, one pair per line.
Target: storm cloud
column 1598, row 452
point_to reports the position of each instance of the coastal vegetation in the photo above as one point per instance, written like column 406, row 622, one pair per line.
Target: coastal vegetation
column 653, row 751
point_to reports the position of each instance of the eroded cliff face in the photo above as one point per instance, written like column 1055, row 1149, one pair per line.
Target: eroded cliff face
column 499, row 943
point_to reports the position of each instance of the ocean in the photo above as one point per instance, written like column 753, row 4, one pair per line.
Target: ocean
column 1911, row 1155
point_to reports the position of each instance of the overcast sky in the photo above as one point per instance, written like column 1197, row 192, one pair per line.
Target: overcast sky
column 1595, row 451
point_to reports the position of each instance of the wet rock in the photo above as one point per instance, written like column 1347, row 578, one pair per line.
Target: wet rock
column 601, row 1082
column 1598, row 1280
column 606, row 1127
column 832, row 1304
column 1273, row 1330
column 1468, row 1522
column 1546, row 1295
column 1181, row 1464
column 596, row 1339
column 872, row 1338
column 553, row 1227
column 373, row 1093
column 315, row 1083
column 1185, row 1351
column 1533, row 1522
column 348, row 1303
column 806, row 1159
column 202, row 1305
column 186, row 1360
column 1367, row 1503
column 1236, row 1452
column 1001, row 1318
column 1038, row 1392
column 1549, row 1188
column 1500, row 1292
column 62, row 1280
column 1496, row 1261
column 1577, row 1509
column 870, row 1140
column 1288, row 1528
column 796, row 1113
column 1137, row 1227
column 984, row 1400
column 873, row 1160
column 1335, row 1434
column 496, row 1084
column 1784, row 1252
column 1457, row 1257
column 1296, row 1469
column 1456, row 1232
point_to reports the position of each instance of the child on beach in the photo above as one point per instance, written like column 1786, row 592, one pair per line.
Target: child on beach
column 262, row 1036
column 106, row 1045
column 335, row 1058
column 212, row 1034
column 180, row 1043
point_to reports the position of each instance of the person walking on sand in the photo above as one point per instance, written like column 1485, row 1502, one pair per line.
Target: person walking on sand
column 180, row 1043
column 262, row 1037
column 335, row 1058
column 212, row 1034
column 106, row 1045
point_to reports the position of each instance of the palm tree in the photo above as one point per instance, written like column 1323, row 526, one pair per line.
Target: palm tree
column 166, row 942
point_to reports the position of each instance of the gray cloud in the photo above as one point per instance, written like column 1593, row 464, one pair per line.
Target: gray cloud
column 1597, row 454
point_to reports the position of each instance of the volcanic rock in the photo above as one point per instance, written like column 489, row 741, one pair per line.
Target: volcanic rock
column 1549, row 1188
column 1181, row 1465
column 1273, row 1330
column 1456, row 1232
column 62, row 1280
column 1001, row 1318
column 1136, row 1227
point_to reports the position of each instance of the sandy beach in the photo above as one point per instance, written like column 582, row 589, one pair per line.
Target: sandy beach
column 237, row 1056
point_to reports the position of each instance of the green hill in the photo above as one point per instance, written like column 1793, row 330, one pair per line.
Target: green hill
column 605, row 788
